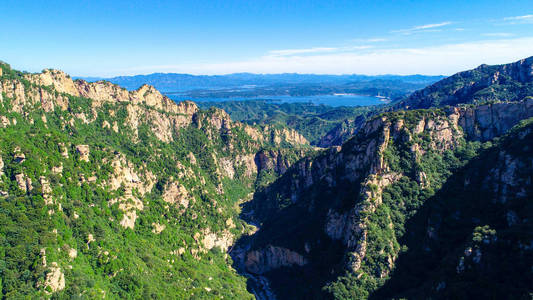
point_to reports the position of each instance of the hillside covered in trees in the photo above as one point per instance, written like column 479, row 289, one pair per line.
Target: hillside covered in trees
column 110, row 193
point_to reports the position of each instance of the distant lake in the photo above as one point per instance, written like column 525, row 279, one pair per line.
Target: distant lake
column 331, row 100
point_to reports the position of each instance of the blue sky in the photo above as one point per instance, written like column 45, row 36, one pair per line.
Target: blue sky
column 108, row 38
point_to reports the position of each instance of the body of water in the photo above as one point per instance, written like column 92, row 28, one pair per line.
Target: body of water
column 331, row 100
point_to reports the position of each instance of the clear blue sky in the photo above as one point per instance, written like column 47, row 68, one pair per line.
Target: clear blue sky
column 107, row 38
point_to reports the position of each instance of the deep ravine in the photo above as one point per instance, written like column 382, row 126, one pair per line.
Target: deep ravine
column 257, row 284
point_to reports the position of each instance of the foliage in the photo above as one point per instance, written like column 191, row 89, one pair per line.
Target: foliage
column 312, row 121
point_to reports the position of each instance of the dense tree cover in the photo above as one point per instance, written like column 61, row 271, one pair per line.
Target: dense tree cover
column 71, row 209
column 398, row 256
column 310, row 120
column 472, row 238
column 120, row 263
column 509, row 82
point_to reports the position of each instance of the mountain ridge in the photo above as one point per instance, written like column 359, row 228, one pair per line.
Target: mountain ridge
column 169, row 82
column 121, row 194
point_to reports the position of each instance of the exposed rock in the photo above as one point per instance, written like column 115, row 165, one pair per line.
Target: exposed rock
column 124, row 175
column 24, row 183
column 175, row 193
column 90, row 239
column 58, row 79
column 129, row 204
column 486, row 122
column 158, row 228
column 270, row 258
column 19, row 156
column 192, row 158
column 229, row 223
column 83, row 151
column 227, row 167
column 63, row 149
column 210, row 240
column 46, row 190
column 55, row 279
column 72, row 253
column 4, row 122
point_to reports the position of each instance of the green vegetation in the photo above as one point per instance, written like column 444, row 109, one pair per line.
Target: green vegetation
column 123, row 200
column 56, row 209
column 498, row 83
column 407, row 244
column 120, row 263
column 310, row 120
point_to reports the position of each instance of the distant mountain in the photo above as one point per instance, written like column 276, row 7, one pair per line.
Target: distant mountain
column 172, row 82
column 508, row 82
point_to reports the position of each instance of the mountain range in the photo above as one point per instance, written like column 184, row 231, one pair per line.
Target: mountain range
column 107, row 192
column 174, row 82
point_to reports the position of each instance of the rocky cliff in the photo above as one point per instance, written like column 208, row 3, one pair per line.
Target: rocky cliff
column 98, row 167
column 342, row 132
column 473, row 238
column 336, row 200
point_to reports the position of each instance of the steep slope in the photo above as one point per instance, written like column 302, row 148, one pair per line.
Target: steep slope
column 330, row 226
column 502, row 83
column 509, row 82
column 118, row 194
column 473, row 239
column 343, row 131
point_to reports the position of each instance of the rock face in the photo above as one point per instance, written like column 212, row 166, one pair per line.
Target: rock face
column 269, row 258
column 24, row 182
column 473, row 229
column 340, row 190
column 83, row 151
column 175, row 193
column 145, row 106
column 55, row 279
column 485, row 122
column 341, row 133
column 211, row 240
column 126, row 177
column 274, row 160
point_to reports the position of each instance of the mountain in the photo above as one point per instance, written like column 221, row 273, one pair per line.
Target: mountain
column 420, row 203
column 403, row 203
column 485, row 84
column 509, row 82
column 172, row 82
column 112, row 193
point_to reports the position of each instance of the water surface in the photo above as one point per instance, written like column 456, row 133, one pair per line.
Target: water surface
column 331, row 100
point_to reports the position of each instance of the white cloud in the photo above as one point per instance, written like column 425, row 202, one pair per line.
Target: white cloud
column 520, row 19
column 441, row 59
column 422, row 28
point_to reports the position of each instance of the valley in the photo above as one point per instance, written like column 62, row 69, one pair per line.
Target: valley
column 110, row 191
